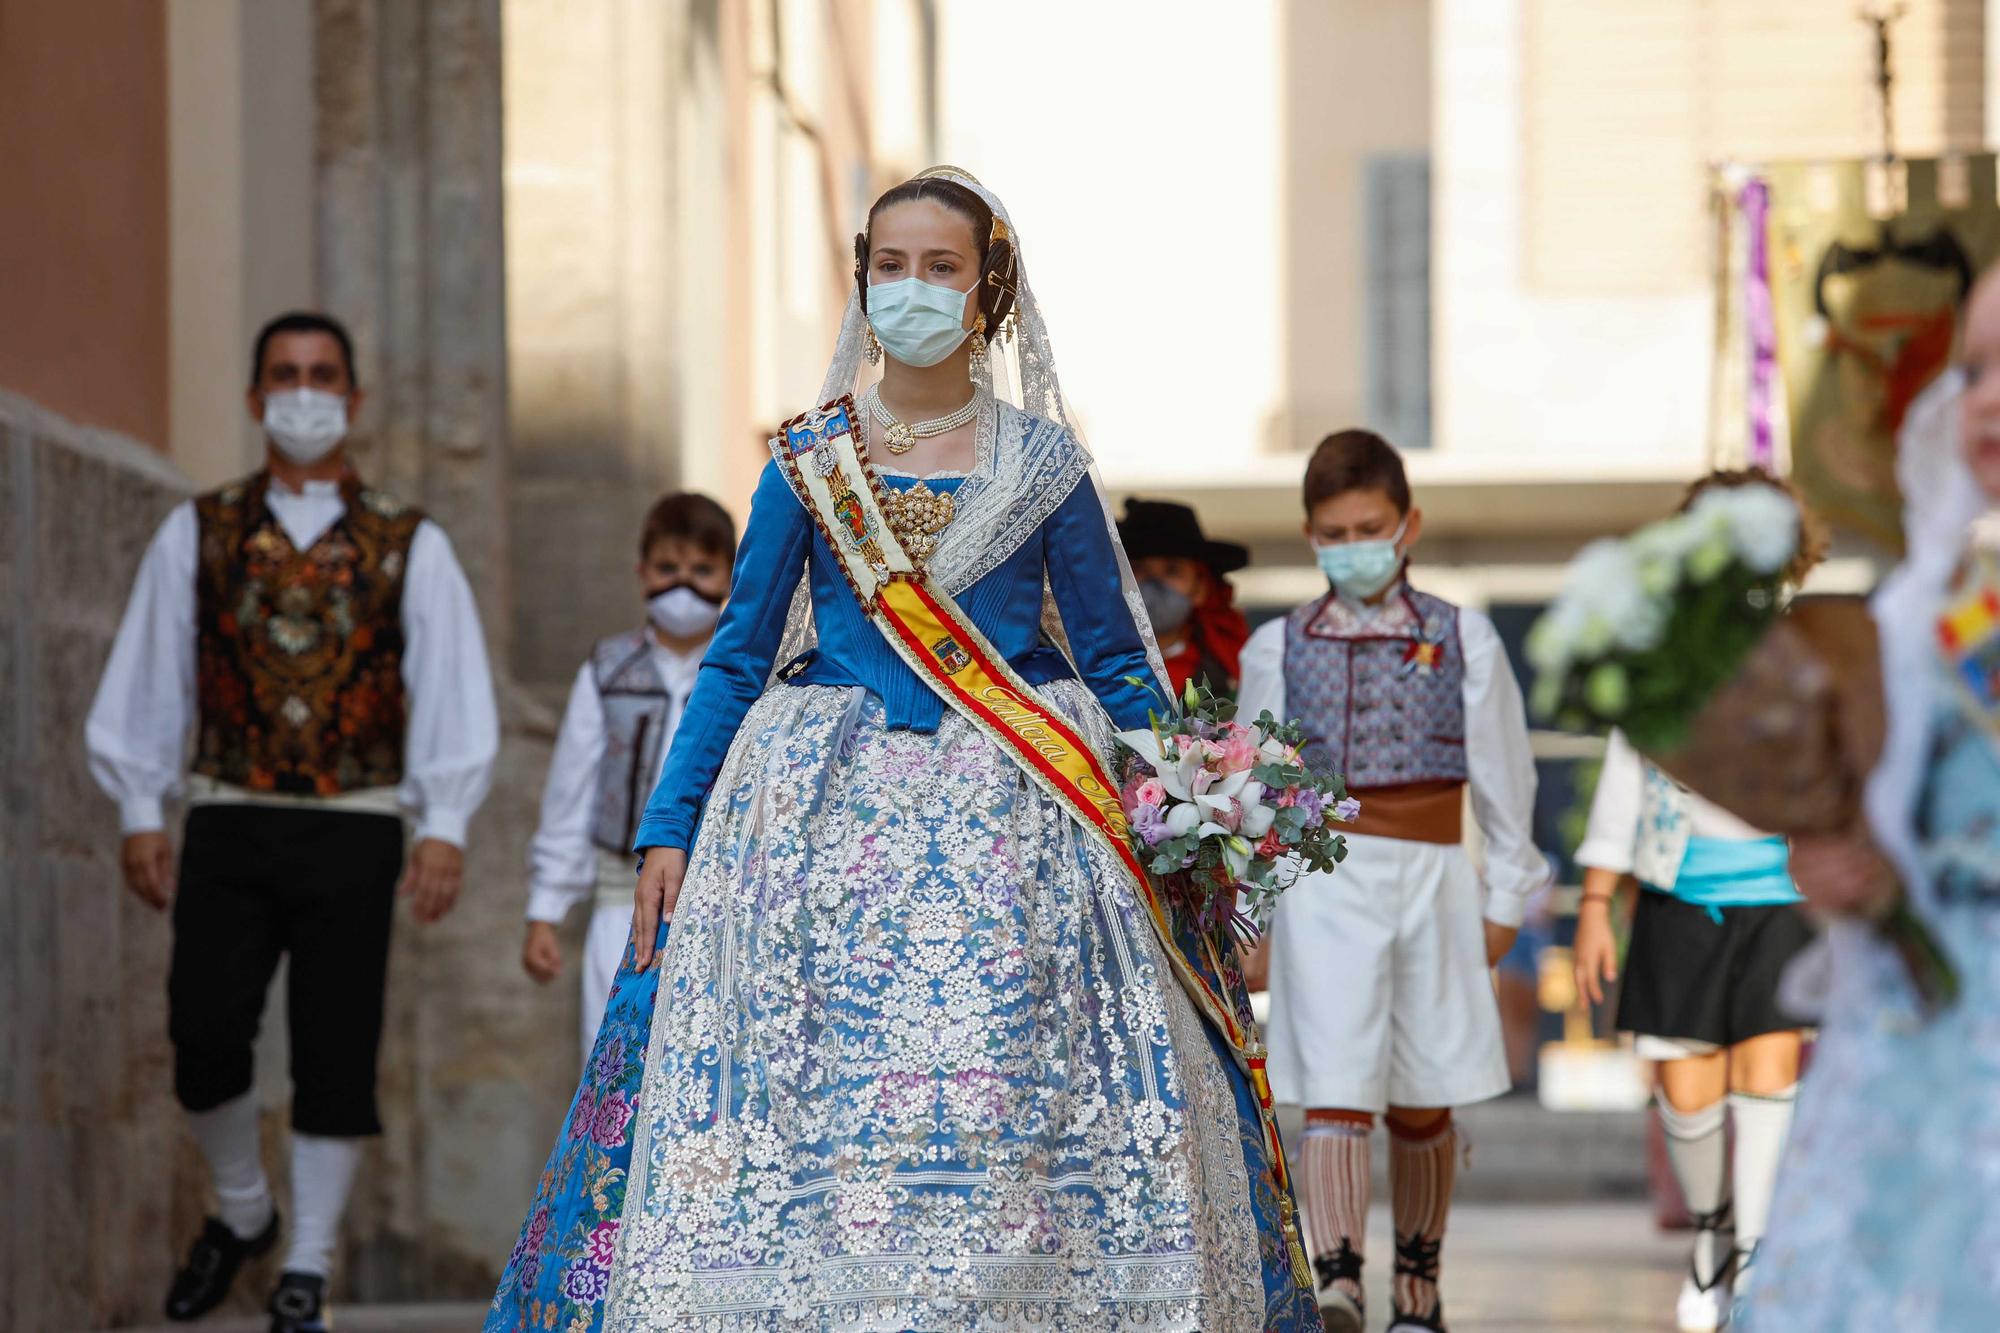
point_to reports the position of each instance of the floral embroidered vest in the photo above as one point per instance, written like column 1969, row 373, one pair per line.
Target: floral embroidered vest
column 1382, row 705
column 299, row 654
column 636, row 707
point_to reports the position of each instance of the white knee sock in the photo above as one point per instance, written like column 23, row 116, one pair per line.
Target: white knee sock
column 1762, row 1121
column 229, row 1140
column 322, row 1173
column 1696, row 1148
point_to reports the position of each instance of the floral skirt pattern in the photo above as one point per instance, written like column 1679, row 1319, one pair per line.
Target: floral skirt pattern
column 918, row 1062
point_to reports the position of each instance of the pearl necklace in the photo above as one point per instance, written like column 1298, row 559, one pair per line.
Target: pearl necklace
column 899, row 436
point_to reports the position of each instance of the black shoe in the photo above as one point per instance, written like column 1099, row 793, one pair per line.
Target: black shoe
column 299, row 1304
column 1405, row 1322
column 1338, row 1311
column 1417, row 1258
column 218, row 1255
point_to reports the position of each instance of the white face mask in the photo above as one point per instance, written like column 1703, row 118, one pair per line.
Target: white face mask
column 917, row 322
column 305, row 424
column 682, row 612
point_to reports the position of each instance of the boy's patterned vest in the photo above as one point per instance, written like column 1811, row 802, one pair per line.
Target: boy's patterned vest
column 299, row 654
column 1380, row 710
column 635, row 724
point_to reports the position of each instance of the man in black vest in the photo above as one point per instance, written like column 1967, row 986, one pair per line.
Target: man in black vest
column 320, row 640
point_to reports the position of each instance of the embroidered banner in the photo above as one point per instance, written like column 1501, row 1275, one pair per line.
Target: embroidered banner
column 820, row 452
column 1841, row 281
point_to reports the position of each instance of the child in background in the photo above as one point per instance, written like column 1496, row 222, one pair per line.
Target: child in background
column 1180, row 573
column 1711, row 936
column 615, row 734
column 1381, row 994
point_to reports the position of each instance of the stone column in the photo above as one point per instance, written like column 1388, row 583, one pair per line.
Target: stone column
column 477, row 1062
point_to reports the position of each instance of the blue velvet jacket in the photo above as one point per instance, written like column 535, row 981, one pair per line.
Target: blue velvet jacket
column 780, row 543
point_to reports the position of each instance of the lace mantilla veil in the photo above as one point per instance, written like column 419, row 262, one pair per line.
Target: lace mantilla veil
column 1030, row 456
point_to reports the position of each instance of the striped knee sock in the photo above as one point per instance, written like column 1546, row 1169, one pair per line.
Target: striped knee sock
column 1333, row 1172
column 1421, row 1173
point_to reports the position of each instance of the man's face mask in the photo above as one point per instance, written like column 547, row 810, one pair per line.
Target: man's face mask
column 305, row 424
column 1166, row 606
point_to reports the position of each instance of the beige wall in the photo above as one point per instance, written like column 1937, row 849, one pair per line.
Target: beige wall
column 1356, row 84
column 683, row 183
column 240, row 126
column 83, row 236
column 1573, row 315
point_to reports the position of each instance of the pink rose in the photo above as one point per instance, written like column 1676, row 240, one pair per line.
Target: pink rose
column 1272, row 847
column 1240, row 754
column 1152, row 792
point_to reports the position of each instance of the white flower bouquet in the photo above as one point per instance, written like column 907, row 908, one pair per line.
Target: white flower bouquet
column 1646, row 628
column 1228, row 814
column 1673, row 635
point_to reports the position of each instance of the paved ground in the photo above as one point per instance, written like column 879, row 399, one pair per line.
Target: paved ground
column 1510, row 1268
column 1551, row 1268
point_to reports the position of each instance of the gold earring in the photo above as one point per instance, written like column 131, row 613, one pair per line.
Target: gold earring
column 871, row 348
column 976, row 367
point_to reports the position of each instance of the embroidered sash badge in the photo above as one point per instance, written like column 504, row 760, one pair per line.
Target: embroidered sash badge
column 815, row 428
column 951, row 656
column 1969, row 633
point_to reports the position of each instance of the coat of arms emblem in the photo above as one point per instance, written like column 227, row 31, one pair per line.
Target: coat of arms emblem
column 951, row 655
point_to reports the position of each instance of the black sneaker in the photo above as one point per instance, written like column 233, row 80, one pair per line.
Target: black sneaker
column 299, row 1304
column 1340, row 1312
column 218, row 1255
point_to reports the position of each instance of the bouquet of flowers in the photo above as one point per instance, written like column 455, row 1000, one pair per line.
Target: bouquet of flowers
column 1680, row 635
column 1228, row 814
column 1646, row 628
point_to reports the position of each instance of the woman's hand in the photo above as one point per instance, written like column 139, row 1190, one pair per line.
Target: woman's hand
column 659, row 889
column 1843, row 874
column 1596, row 948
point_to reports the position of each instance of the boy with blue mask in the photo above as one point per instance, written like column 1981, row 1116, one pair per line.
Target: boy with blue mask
column 1381, row 998
column 623, row 710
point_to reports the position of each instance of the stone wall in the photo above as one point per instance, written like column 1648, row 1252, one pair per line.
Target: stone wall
column 94, row 1165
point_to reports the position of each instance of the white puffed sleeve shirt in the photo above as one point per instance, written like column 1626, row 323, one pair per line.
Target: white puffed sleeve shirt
column 137, row 732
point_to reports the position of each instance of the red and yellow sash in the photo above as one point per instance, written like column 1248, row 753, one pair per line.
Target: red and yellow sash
column 820, row 452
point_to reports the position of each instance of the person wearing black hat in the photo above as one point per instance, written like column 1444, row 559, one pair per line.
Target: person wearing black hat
column 1192, row 607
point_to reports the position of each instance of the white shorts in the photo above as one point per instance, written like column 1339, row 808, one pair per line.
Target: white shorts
column 1380, row 993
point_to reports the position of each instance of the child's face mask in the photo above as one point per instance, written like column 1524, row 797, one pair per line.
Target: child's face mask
column 1360, row 570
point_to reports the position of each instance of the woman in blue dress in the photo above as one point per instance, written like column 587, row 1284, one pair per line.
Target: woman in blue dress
column 918, row 1059
column 1887, row 1213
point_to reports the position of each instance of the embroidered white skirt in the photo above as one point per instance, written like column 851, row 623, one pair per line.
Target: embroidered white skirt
column 917, row 1060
